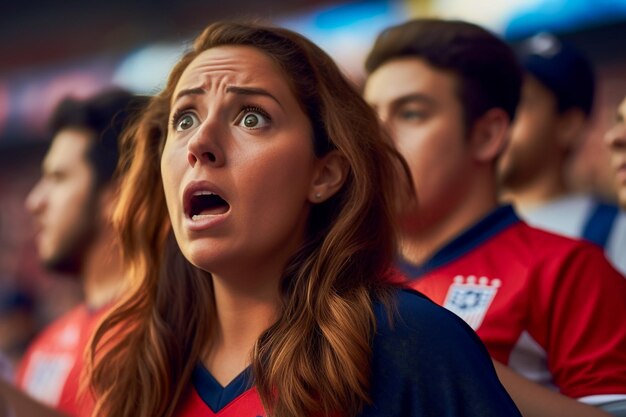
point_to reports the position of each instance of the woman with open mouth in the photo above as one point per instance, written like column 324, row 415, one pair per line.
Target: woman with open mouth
column 257, row 221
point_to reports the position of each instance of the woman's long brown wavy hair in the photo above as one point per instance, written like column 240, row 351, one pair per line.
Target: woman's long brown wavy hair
column 314, row 359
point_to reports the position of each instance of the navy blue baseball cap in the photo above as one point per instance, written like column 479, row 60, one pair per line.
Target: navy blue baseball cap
column 562, row 68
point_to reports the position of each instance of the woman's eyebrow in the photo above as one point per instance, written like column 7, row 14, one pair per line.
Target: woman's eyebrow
column 246, row 91
column 251, row 91
column 189, row 92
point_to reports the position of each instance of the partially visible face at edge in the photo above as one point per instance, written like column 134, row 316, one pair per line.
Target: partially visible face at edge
column 63, row 203
column 532, row 137
column 615, row 138
column 419, row 106
column 238, row 162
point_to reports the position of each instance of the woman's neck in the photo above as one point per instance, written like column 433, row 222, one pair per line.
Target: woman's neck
column 244, row 310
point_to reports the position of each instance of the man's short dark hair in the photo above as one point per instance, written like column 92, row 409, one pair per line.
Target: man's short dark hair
column 105, row 115
column 487, row 69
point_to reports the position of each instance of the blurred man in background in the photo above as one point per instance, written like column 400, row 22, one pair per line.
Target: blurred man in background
column 552, row 120
column 72, row 205
column 543, row 304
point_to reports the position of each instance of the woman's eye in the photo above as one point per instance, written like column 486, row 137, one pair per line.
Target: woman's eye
column 254, row 119
column 185, row 121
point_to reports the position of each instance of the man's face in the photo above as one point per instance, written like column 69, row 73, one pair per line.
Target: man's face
column 62, row 203
column 616, row 140
column 419, row 106
column 533, row 140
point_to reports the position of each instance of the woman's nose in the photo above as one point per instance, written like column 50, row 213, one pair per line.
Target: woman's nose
column 206, row 146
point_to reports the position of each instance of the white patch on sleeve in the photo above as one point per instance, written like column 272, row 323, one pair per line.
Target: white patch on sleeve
column 470, row 298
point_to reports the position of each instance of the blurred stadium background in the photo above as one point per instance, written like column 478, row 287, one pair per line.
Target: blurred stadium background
column 50, row 49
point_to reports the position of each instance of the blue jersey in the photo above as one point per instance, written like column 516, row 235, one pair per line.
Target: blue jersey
column 426, row 362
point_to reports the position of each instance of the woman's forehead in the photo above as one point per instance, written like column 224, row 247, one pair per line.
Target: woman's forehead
column 231, row 65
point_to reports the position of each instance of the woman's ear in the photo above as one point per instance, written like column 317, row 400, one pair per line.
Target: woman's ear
column 490, row 135
column 330, row 174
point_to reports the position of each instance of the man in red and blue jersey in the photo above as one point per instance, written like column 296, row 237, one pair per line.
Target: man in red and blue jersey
column 72, row 204
column 545, row 305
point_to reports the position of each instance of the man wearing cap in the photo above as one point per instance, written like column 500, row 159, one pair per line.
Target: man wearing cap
column 552, row 120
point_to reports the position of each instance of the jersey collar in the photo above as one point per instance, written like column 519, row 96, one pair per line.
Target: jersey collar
column 490, row 225
column 213, row 393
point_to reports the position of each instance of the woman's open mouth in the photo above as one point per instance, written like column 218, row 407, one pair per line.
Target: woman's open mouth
column 206, row 203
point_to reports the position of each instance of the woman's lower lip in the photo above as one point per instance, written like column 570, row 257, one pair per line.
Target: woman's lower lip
column 204, row 222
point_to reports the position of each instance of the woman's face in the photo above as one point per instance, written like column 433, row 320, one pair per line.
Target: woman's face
column 238, row 164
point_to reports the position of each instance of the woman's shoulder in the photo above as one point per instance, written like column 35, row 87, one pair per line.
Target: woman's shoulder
column 427, row 361
column 410, row 311
column 423, row 329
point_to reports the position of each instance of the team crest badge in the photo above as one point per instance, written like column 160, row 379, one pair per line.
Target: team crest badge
column 470, row 298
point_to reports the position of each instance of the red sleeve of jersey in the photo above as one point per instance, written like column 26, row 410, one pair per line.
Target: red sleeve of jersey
column 51, row 369
column 22, row 367
column 584, row 331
